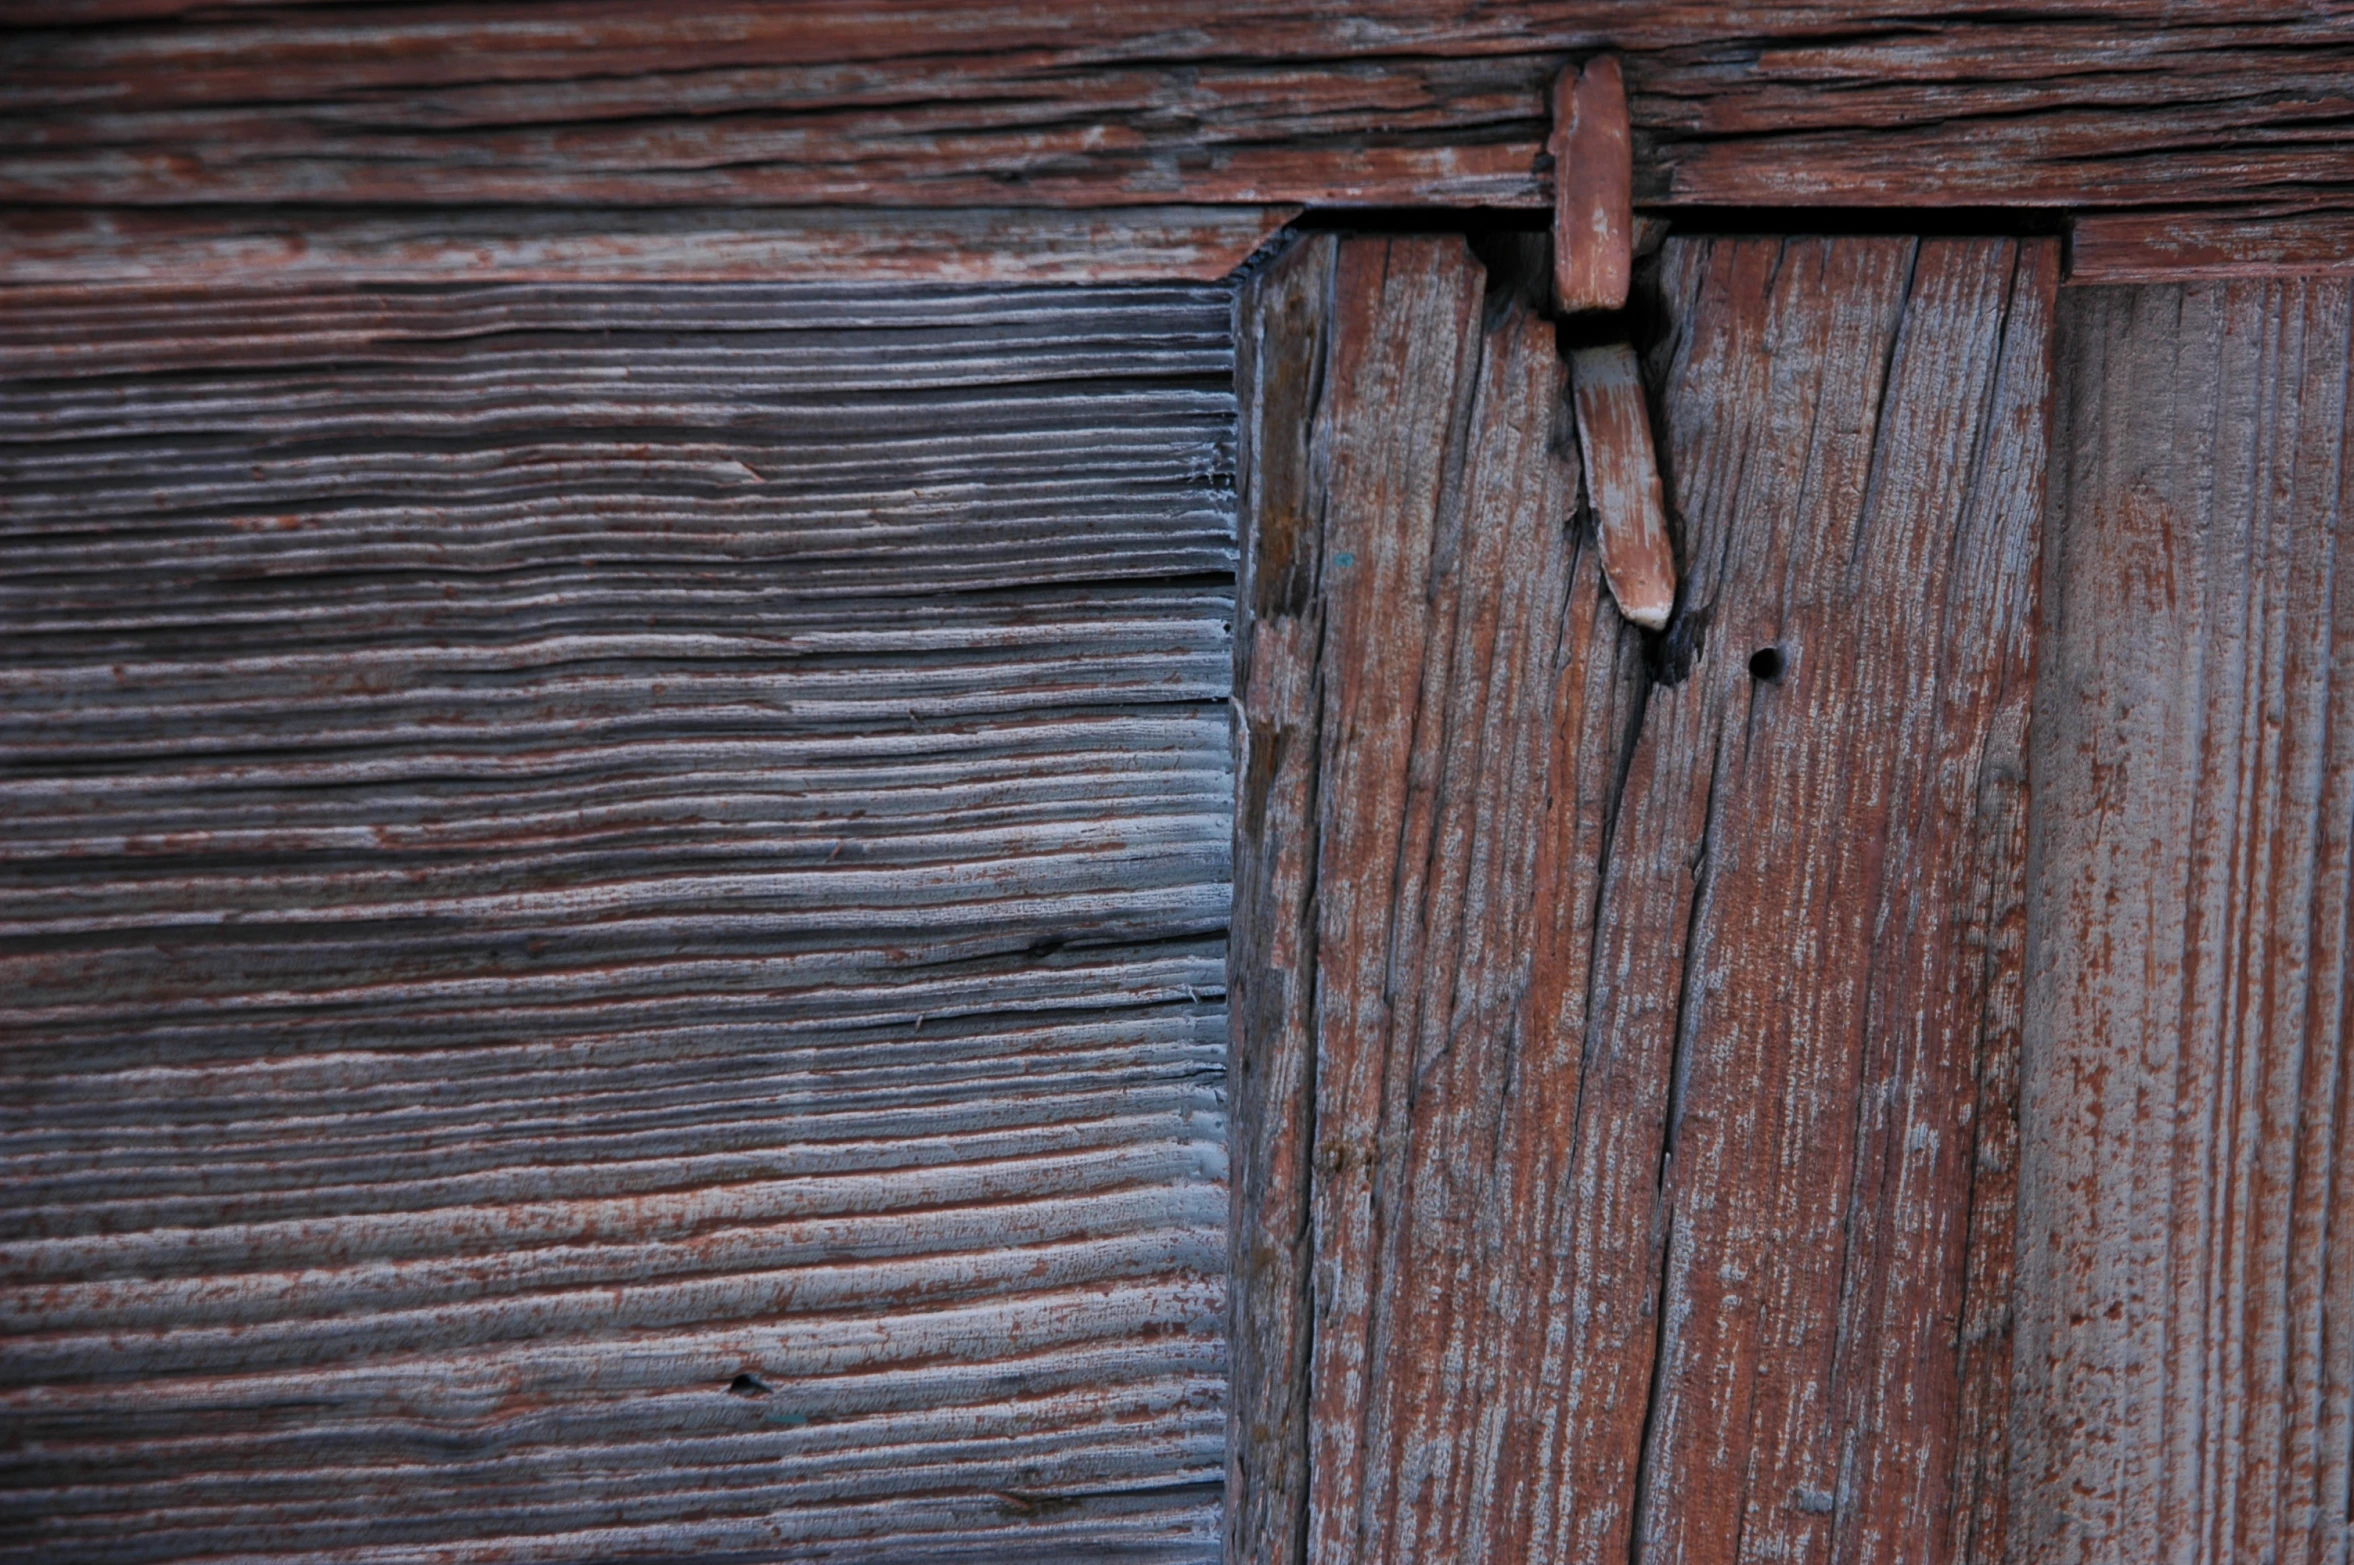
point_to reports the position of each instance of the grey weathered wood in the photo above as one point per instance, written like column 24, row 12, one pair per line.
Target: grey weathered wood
column 2187, row 1285
column 559, row 847
column 1656, row 1017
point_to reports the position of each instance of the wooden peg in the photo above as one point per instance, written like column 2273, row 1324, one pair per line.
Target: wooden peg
column 1622, row 483
column 1593, row 187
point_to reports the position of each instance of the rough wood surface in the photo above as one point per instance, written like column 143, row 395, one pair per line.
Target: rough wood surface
column 1630, row 1108
column 997, row 103
column 2135, row 247
column 2187, row 1285
column 610, row 925
column 76, row 248
column 1593, row 188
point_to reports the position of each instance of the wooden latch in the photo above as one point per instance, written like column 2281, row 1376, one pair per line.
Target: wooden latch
column 1593, row 267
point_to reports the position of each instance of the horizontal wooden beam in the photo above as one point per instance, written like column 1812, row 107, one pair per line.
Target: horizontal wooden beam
column 2116, row 106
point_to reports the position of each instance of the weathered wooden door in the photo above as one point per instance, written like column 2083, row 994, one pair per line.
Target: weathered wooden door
column 1628, row 1051
column 613, row 902
column 614, row 840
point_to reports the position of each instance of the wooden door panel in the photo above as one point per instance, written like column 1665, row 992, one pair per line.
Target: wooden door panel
column 2187, row 1286
column 569, row 845
column 610, row 924
column 1626, row 1039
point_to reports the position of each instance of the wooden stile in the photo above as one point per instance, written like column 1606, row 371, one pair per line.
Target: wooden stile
column 1638, row 1078
column 2186, row 1298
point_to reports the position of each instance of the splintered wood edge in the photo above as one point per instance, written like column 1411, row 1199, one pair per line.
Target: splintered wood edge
column 1622, row 483
column 1593, row 187
column 115, row 248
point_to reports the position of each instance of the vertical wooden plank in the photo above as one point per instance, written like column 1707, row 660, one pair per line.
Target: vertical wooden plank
column 1446, row 1163
column 1527, row 671
column 1665, row 994
column 2187, row 1292
column 1405, row 343
column 1864, row 533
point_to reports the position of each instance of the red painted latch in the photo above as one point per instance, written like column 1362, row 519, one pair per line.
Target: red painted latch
column 1593, row 188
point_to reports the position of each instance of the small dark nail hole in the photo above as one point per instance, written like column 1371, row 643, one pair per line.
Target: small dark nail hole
column 1766, row 664
column 747, row 1386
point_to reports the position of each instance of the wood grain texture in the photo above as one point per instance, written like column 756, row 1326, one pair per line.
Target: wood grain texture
column 996, row 103
column 611, row 910
column 2187, row 1285
column 1656, row 1020
column 82, row 249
